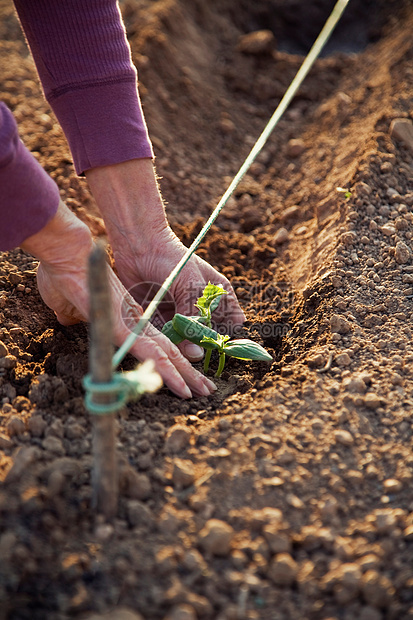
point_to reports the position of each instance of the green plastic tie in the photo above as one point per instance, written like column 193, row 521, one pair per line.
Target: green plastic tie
column 124, row 386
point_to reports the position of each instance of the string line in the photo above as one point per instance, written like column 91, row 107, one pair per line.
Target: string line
column 301, row 74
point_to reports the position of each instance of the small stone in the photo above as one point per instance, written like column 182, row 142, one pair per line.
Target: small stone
column 402, row 224
column 348, row 583
column 138, row 513
column 56, row 429
column 75, row 431
column 56, row 483
column 386, row 167
column 104, row 531
column 295, row 147
column 294, row 501
column 408, row 533
column 316, row 361
column 275, row 481
column 317, row 424
column 329, row 507
column 3, row 349
column 133, row 484
column 46, row 390
column 216, row 537
column 281, row 236
column 362, row 189
column 5, row 442
column 342, row 359
column 301, row 230
column 15, row 278
column 368, row 562
column 21, row 403
column 372, row 401
column 386, row 521
column 388, row 230
column 282, row 570
column 344, row 437
column 8, row 362
column 290, row 213
column 402, row 129
column 183, row 473
column 193, row 561
column 339, row 324
column 278, row 542
column 377, row 589
column 15, row 426
column 177, row 438
column 354, row 385
column 36, row 425
column 22, row 460
column 54, row 445
column 258, row 42
column 348, row 238
column 392, row 485
column 401, row 253
column 227, row 125
column 182, row 612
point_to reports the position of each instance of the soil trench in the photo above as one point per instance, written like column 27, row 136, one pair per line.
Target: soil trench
column 287, row 495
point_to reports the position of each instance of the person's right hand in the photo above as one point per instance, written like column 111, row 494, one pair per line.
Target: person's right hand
column 63, row 247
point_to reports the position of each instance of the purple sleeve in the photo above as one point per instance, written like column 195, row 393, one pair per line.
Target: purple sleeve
column 84, row 62
column 28, row 196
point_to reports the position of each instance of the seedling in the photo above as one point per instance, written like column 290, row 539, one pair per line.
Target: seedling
column 343, row 190
column 198, row 330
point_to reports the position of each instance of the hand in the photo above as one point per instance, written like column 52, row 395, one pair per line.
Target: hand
column 154, row 266
column 145, row 248
column 63, row 247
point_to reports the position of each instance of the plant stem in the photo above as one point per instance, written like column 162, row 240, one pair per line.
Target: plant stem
column 221, row 364
column 207, row 359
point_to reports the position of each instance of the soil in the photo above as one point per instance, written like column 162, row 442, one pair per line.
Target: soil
column 287, row 494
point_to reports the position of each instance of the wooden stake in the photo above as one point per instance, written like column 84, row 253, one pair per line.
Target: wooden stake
column 104, row 475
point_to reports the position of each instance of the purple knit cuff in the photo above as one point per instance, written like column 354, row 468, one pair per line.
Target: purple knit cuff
column 103, row 123
column 29, row 198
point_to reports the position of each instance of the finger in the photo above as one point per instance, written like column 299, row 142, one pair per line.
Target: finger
column 170, row 375
column 191, row 351
column 197, row 382
column 176, row 371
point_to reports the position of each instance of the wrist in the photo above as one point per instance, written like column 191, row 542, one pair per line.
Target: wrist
column 63, row 242
column 130, row 202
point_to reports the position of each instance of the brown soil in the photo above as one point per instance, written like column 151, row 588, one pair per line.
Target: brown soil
column 306, row 465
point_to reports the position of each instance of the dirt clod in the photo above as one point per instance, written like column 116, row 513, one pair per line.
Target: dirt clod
column 216, row 537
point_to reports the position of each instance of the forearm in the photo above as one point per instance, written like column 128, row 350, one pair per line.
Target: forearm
column 84, row 63
column 128, row 197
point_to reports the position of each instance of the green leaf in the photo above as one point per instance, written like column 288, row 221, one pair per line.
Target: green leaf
column 191, row 328
column 209, row 343
column 210, row 299
column 214, row 343
column 169, row 331
column 247, row 350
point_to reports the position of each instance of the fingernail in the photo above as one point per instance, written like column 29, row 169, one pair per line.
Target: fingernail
column 186, row 392
column 204, row 389
column 210, row 384
column 193, row 351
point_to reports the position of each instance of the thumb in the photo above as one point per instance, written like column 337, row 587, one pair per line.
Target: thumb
column 191, row 351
